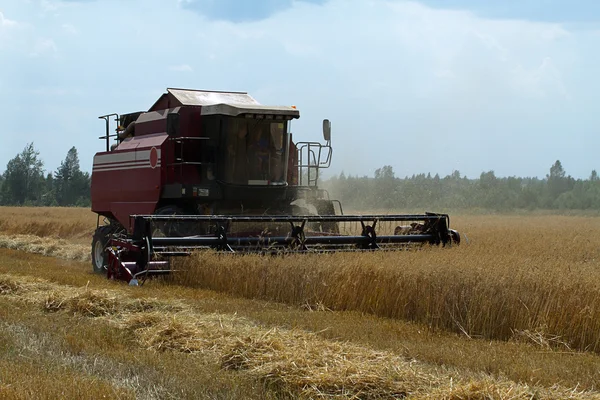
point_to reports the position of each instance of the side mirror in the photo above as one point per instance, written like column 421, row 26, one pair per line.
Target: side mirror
column 326, row 130
column 173, row 124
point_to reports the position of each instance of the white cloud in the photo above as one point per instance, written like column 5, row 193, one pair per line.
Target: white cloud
column 44, row 46
column 69, row 29
column 7, row 23
column 181, row 68
column 543, row 81
column 13, row 34
column 49, row 6
column 22, row 38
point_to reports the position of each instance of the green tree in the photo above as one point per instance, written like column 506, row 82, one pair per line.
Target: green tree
column 386, row 172
column 558, row 183
column 422, row 191
column 487, row 180
column 385, row 187
column 70, row 185
column 49, row 195
column 23, row 178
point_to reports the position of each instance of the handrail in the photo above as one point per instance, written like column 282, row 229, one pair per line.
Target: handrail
column 108, row 135
column 315, row 152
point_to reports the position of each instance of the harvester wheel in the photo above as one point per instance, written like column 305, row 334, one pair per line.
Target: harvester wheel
column 455, row 237
column 99, row 243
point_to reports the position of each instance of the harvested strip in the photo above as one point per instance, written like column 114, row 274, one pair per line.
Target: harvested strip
column 292, row 361
column 47, row 246
column 10, row 285
column 486, row 388
column 43, row 348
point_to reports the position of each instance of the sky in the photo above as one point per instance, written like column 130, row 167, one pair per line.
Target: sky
column 424, row 86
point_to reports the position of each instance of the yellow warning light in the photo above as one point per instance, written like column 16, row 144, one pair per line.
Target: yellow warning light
column 294, row 107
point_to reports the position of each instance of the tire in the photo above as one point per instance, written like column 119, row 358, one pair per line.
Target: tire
column 455, row 237
column 99, row 243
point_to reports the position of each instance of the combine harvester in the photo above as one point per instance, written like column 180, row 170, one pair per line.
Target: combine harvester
column 217, row 170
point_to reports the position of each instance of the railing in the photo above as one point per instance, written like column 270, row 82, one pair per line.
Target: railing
column 108, row 135
column 310, row 161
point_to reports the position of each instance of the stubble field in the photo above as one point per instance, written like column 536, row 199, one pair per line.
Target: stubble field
column 513, row 314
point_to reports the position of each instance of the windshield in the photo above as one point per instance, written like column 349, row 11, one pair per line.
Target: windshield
column 255, row 151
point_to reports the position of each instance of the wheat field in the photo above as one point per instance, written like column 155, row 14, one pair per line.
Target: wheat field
column 513, row 313
column 518, row 276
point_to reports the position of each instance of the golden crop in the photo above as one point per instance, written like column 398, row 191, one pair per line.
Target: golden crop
column 529, row 277
column 518, row 303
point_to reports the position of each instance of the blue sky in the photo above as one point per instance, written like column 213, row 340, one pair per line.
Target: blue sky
column 561, row 11
column 430, row 86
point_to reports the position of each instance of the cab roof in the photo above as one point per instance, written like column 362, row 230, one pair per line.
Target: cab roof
column 220, row 103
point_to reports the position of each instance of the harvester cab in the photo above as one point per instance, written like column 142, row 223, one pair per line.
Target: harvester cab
column 218, row 170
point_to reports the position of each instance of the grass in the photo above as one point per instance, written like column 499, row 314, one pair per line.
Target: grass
column 513, row 313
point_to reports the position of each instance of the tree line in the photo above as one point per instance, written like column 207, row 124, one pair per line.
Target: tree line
column 26, row 183
column 557, row 191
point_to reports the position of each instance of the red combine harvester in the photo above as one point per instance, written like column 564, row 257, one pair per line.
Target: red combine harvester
column 217, row 170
